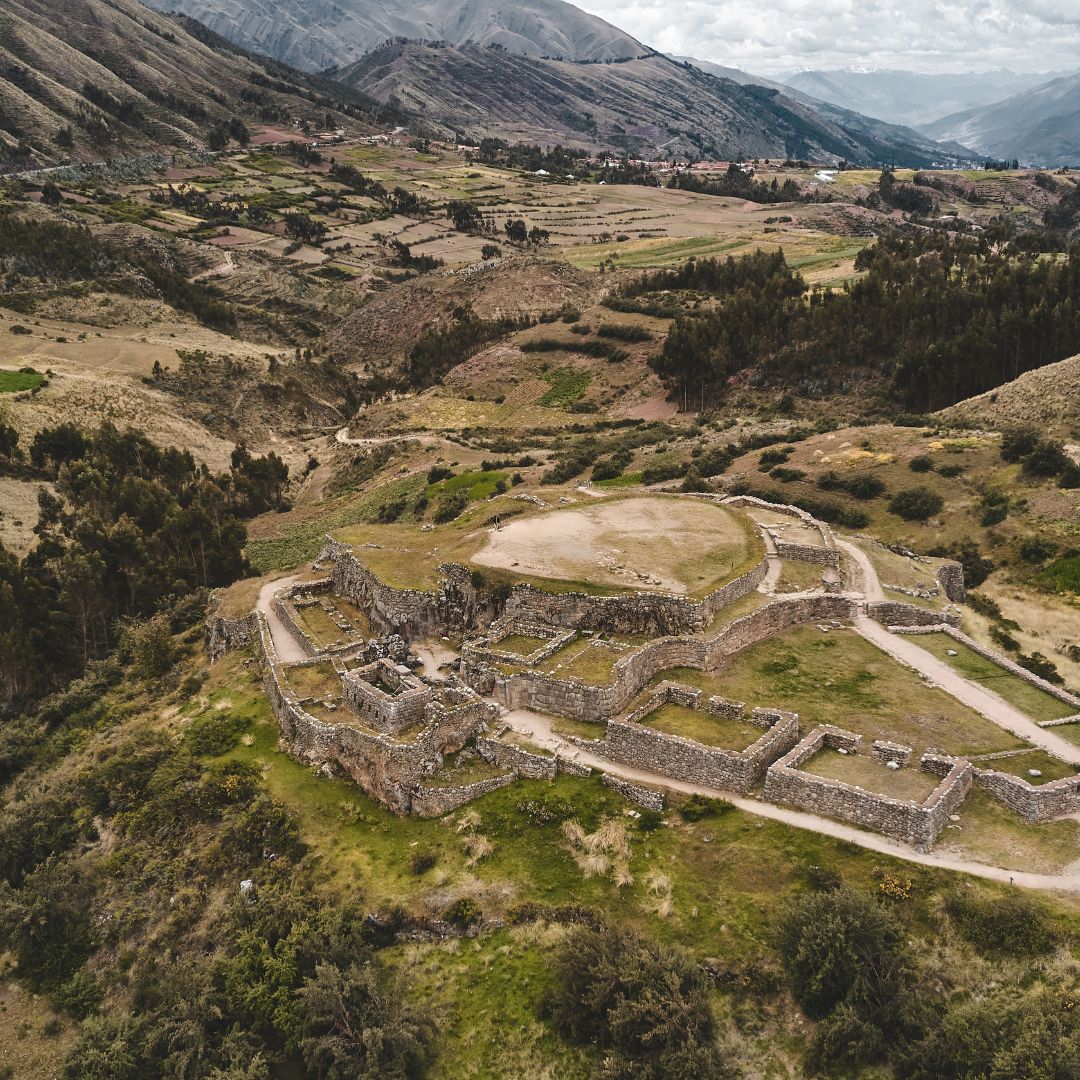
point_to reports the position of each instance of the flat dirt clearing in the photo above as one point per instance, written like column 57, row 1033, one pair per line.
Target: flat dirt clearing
column 679, row 545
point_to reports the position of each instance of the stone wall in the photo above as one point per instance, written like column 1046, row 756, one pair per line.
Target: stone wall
column 399, row 702
column 950, row 577
column 914, row 823
column 223, row 635
column 631, row 673
column 630, row 613
column 388, row 770
column 431, row 802
column 644, row 796
column 1033, row 802
column 518, row 759
column 896, row 613
column 630, row 741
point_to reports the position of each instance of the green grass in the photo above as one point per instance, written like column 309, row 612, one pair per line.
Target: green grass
column 627, row 480
column 872, row 775
column 990, row 832
column 567, row 385
column 299, row 538
column 703, row 727
column 841, row 678
column 475, row 485
column 314, row 680
column 520, row 644
column 1062, row 575
column 583, row 659
column 12, row 382
column 1052, row 768
column 1029, row 699
column 318, row 625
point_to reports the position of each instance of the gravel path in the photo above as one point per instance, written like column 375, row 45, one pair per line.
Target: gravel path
column 286, row 646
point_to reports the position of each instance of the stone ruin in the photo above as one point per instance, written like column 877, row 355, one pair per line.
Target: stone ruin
column 391, row 729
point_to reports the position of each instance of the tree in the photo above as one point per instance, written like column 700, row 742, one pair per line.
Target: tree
column 9, row 443
column 466, row 216
column 647, row 1003
column 357, row 1027
column 152, row 648
column 916, row 504
column 517, row 231
column 840, row 947
column 51, row 194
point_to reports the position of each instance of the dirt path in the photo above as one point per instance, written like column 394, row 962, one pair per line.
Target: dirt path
column 379, row 440
column 223, row 269
column 539, row 728
column 871, row 584
column 286, row 646
column 977, row 697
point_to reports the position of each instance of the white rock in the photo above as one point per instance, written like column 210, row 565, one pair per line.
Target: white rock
column 1034, row 772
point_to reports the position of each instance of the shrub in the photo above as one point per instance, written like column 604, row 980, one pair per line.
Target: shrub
column 1047, row 458
column 422, row 861
column 1018, row 443
column 922, row 463
column 840, row 947
column 865, row 486
column 1010, row 925
column 450, row 506
column 624, row 332
column 1036, row 550
column 214, row 734
column 916, row 504
column 462, row 913
column 699, row 807
column 647, row 1004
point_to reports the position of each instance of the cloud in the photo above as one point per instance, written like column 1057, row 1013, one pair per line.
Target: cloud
column 773, row 36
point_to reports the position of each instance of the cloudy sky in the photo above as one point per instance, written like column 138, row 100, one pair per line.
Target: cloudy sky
column 773, row 36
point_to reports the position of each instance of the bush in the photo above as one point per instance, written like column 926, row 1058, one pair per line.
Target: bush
column 1047, row 458
column 645, row 1003
column 1009, row 925
column 423, row 861
column 841, row 947
column 1036, row 550
column 922, row 463
column 462, row 913
column 1018, row 443
column 865, row 486
column 916, row 504
column 450, row 506
column 214, row 734
column 699, row 807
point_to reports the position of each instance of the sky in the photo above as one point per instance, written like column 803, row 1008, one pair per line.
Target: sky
column 770, row 37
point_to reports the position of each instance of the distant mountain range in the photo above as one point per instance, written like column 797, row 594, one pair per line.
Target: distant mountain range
column 97, row 78
column 907, row 97
column 317, row 34
column 889, row 141
column 645, row 106
column 1039, row 126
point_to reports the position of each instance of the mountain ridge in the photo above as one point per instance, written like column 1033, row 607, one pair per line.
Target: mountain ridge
column 314, row 35
column 649, row 105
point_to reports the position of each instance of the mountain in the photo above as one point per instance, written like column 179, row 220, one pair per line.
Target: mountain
column 907, row 97
column 1040, row 126
column 96, row 78
column 885, row 140
column 649, row 105
column 317, row 34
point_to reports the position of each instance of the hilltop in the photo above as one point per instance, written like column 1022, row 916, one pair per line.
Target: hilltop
column 86, row 80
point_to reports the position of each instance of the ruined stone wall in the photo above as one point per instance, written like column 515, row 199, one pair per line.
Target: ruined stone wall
column 807, row 553
column 950, row 577
column 431, row 802
column 638, row 793
column 1033, row 802
column 632, row 613
column 635, row 744
column 223, row 635
column 631, row 673
column 518, row 759
column 387, row 770
column 896, row 613
column 1003, row 661
column 914, row 823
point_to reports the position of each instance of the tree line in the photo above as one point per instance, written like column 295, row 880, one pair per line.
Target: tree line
column 940, row 317
column 127, row 530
